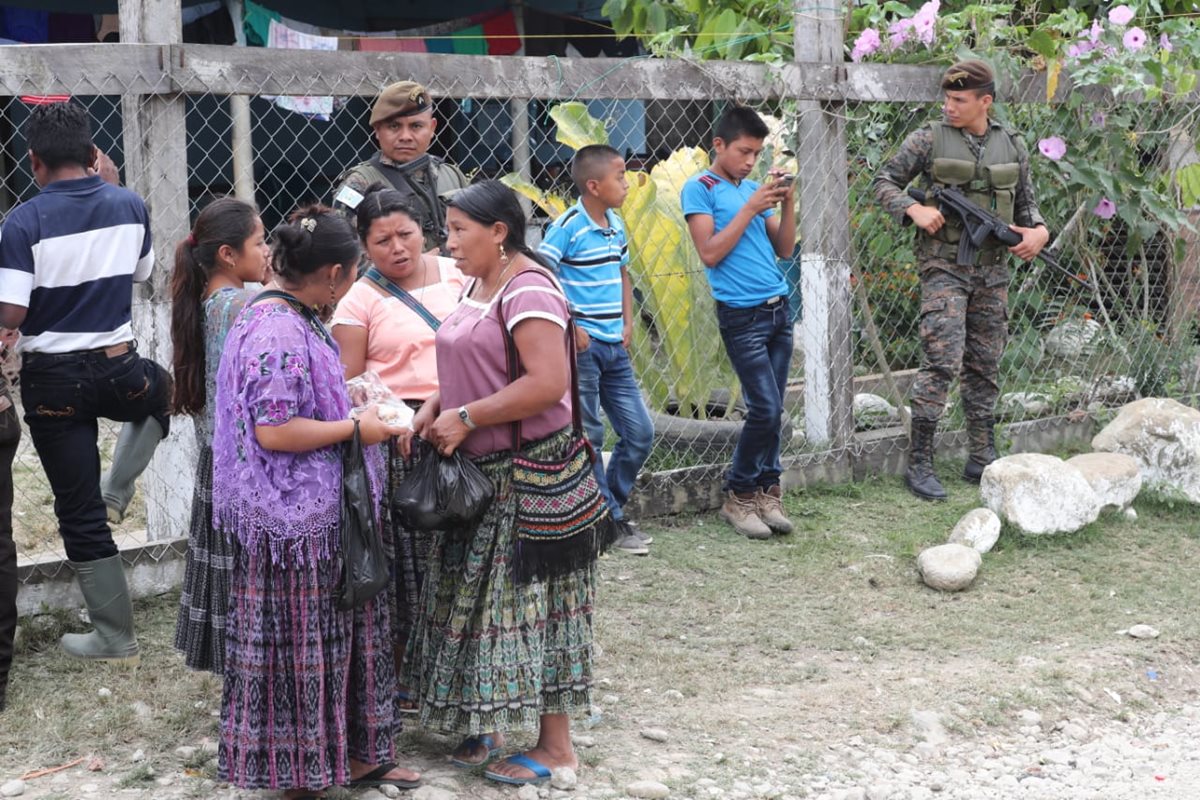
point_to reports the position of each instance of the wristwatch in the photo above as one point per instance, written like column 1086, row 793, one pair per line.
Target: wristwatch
column 466, row 418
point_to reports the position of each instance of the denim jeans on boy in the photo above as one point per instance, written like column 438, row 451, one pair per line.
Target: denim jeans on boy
column 63, row 395
column 606, row 380
column 759, row 343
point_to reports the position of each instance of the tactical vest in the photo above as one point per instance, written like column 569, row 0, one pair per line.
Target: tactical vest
column 989, row 181
column 447, row 180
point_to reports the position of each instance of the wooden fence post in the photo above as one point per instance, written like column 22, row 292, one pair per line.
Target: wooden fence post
column 824, row 215
column 156, row 168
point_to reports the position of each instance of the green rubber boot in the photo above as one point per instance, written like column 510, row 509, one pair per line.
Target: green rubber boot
column 107, row 597
column 131, row 455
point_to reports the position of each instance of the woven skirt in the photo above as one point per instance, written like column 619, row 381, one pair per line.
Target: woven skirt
column 307, row 686
column 200, row 628
column 489, row 654
column 408, row 550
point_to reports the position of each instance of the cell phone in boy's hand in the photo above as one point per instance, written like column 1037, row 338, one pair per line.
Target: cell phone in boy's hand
column 785, row 180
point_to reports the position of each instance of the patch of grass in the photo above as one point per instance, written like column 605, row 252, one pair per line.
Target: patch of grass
column 141, row 774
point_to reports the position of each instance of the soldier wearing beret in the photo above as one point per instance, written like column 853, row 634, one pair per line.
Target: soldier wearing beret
column 404, row 125
column 964, row 309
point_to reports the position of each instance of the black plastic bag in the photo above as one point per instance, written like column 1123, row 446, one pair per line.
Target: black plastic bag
column 441, row 493
column 365, row 569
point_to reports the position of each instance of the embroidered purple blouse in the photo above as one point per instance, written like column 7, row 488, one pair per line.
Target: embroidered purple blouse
column 276, row 367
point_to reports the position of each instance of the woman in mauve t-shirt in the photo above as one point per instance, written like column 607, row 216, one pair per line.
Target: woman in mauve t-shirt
column 491, row 654
column 386, row 324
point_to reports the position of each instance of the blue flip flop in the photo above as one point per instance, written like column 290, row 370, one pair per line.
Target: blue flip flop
column 541, row 773
column 472, row 742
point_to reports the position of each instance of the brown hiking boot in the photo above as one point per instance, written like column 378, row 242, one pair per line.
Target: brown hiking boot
column 741, row 511
column 770, row 510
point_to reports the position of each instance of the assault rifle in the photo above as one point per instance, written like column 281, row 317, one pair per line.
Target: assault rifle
column 978, row 224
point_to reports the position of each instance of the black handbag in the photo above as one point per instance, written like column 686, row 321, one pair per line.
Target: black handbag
column 365, row 569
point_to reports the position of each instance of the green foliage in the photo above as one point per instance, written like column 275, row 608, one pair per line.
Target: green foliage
column 751, row 30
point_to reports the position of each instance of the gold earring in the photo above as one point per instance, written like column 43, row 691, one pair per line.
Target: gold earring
column 503, row 255
column 332, row 294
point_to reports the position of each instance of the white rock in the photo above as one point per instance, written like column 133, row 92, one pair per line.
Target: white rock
column 390, row 791
column 1116, row 478
column 1114, row 388
column 104, row 692
column 647, row 790
column 564, row 779
column 655, row 734
column 929, row 725
column 1039, row 494
column 528, row 792
column 1059, row 758
column 582, row 740
column 1072, row 338
column 949, row 567
column 674, row 695
column 1130, row 514
column 1164, row 436
column 186, row 752
column 432, row 793
column 89, row 788
column 872, row 411
column 978, row 529
column 1143, row 632
column 610, row 699
column 1029, row 717
column 138, row 755
column 13, row 788
column 1024, row 404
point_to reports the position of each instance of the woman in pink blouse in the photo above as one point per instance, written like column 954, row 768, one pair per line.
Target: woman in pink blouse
column 386, row 324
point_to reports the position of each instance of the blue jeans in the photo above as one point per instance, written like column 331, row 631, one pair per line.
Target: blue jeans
column 759, row 343
column 606, row 380
column 63, row 395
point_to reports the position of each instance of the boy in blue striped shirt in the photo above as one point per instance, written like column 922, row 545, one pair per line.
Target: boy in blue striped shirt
column 588, row 250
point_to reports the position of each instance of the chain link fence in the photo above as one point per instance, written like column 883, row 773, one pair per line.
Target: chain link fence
column 203, row 131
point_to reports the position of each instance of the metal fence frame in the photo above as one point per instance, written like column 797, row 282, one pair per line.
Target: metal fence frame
column 154, row 81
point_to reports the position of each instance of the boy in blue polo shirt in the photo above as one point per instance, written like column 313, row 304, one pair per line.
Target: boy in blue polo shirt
column 587, row 248
column 739, row 236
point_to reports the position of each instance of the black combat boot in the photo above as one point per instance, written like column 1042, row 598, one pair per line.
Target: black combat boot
column 919, row 476
column 981, row 434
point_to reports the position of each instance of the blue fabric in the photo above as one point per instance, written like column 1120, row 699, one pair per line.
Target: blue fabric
column 759, row 343
column 606, row 380
column 748, row 274
column 588, row 260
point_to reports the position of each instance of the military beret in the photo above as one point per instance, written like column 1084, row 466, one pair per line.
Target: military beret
column 400, row 99
column 971, row 74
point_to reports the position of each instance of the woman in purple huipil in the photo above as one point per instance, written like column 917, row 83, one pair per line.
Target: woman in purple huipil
column 308, row 691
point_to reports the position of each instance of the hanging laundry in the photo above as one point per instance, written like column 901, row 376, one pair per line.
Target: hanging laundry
column 282, row 37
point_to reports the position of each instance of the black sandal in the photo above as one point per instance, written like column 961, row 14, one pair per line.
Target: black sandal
column 375, row 778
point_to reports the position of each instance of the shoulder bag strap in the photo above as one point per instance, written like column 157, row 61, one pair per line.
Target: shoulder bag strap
column 513, row 359
column 405, row 297
column 309, row 315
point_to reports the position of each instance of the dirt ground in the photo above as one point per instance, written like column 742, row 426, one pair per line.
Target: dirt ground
column 815, row 665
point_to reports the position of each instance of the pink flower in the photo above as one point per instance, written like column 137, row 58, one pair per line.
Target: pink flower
column 1120, row 15
column 899, row 32
column 1134, row 39
column 1105, row 209
column 1095, row 31
column 1074, row 51
column 1053, row 148
column 867, row 43
column 925, row 21
column 1165, row 43
column 1099, row 118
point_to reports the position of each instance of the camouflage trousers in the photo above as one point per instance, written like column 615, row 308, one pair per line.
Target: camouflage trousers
column 964, row 326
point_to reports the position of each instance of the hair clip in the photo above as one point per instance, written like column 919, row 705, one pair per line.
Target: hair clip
column 191, row 240
column 309, row 224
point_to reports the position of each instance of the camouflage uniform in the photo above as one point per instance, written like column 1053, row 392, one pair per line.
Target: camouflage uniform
column 964, row 310
column 415, row 184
